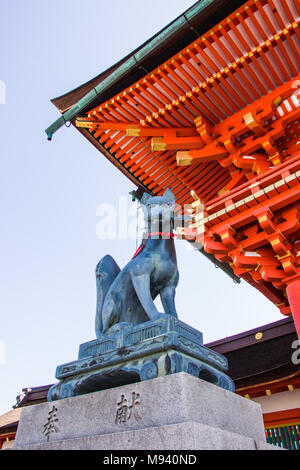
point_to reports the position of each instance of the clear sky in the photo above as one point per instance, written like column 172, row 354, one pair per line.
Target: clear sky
column 51, row 191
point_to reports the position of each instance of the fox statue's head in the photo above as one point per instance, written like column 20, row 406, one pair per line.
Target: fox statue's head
column 159, row 211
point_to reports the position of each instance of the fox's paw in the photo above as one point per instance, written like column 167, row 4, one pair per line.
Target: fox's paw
column 158, row 316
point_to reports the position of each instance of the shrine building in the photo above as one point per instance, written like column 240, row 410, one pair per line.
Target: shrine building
column 210, row 108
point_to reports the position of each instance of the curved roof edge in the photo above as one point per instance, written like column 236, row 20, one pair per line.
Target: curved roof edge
column 191, row 24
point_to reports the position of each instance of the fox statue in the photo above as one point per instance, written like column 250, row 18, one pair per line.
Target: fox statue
column 127, row 296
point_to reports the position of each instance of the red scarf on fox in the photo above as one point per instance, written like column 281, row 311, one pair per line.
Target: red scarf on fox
column 163, row 234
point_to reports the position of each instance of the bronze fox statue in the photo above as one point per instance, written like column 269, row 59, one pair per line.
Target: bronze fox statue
column 127, row 296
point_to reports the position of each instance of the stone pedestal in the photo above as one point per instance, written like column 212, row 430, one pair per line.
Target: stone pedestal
column 174, row 412
column 136, row 353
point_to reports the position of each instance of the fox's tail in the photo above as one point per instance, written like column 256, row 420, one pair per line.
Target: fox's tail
column 106, row 272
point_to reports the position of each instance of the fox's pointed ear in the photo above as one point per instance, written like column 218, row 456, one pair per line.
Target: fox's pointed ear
column 145, row 198
column 168, row 194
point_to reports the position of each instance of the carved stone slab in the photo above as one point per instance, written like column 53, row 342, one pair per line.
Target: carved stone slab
column 177, row 411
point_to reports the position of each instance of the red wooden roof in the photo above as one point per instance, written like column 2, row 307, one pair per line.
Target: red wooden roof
column 219, row 120
column 239, row 61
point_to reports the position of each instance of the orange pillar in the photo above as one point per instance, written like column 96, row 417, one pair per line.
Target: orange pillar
column 293, row 293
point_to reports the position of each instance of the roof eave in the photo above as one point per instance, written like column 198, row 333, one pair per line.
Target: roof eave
column 180, row 32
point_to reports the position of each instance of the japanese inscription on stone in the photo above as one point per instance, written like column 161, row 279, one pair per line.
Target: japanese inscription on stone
column 51, row 425
column 125, row 409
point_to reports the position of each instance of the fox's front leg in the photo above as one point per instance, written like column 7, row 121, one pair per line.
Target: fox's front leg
column 167, row 296
column 141, row 283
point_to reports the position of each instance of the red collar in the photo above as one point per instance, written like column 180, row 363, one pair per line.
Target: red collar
column 163, row 234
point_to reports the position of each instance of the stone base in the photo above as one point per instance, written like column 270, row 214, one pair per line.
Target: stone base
column 136, row 353
column 175, row 412
column 182, row 436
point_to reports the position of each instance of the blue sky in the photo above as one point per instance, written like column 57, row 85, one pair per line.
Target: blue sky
column 50, row 192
